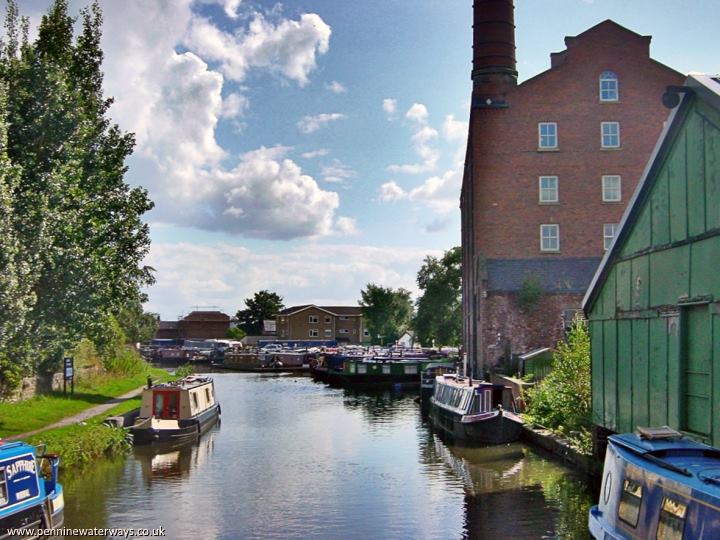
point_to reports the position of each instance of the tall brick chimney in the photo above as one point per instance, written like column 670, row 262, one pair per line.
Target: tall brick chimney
column 493, row 50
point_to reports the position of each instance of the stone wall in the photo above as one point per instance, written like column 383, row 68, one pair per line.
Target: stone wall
column 44, row 383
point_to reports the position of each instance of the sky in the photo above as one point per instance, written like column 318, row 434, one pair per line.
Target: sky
column 315, row 146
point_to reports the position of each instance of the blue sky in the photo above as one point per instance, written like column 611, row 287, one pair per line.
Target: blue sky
column 315, row 146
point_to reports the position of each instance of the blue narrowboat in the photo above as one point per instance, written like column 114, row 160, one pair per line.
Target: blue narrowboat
column 659, row 485
column 30, row 495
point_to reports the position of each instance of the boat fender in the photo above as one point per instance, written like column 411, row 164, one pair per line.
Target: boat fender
column 219, row 409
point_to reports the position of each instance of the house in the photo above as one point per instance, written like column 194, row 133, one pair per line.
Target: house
column 343, row 324
column 654, row 304
column 550, row 164
column 196, row 325
column 406, row 340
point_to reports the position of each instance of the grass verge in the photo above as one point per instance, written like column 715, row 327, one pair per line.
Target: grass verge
column 41, row 411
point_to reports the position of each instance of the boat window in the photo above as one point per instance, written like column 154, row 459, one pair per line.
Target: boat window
column 157, row 409
column 630, row 501
column 208, row 396
column 465, row 401
column 361, row 368
column 172, row 408
column 386, row 369
column 411, row 370
column 488, row 400
column 195, row 400
column 672, row 520
column 3, row 488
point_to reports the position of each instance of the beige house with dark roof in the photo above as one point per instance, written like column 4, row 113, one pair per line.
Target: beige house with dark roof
column 341, row 323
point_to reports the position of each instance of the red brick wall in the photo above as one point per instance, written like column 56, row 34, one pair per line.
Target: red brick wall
column 501, row 183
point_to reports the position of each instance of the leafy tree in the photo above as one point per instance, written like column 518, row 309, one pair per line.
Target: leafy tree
column 79, row 224
column 439, row 309
column 562, row 401
column 236, row 333
column 386, row 312
column 263, row 305
column 137, row 325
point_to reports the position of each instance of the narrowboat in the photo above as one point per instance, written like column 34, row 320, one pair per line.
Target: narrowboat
column 428, row 375
column 30, row 495
column 658, row 484
column 376, row 371
column 475, row 411
column 177, row 411
column 262, row 361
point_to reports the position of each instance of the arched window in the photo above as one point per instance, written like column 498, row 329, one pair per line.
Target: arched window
column 609, row 86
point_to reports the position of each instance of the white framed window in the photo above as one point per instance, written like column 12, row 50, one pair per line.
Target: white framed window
column 361, row 368
column 314, row 332
column 365, row 332
column 609, row 230
column 550, row 237
column 610, row 134
column 386, row 369
column 547, row 135
column 313, row 319
column 548, row 189
column 344, row 331
column 328, row 332
column 609, row 89
column 411, row 370
column 328, row 320
column 611, row 188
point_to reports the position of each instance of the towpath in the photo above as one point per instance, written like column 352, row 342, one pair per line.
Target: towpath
column 81, row 416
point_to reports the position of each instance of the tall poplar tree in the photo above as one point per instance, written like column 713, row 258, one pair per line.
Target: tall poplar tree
column 80, row 224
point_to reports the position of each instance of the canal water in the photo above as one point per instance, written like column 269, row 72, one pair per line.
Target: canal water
column 296, row 459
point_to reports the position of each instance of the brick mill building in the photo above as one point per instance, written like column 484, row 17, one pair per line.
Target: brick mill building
column 550, row 166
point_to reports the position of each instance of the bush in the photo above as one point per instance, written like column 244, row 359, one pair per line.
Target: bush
column 126, row 362
column 562, row 401
column 531, row 292
column 10, row 377
column 184, row 370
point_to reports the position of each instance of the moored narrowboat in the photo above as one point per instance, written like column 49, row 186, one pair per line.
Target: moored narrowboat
column 658, row 484
column 176, row 411
column 429, row 374
column 474, row 411
column 30, row 495
column 376, row 371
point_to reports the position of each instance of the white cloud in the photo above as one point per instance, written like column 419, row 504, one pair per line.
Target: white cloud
column 337, row 172
column 439, row 193
column 389, row 105
column 347, row 226
column 417, row 113
column 234, row 105
column 189, row 274
column 310, row 124
column 289, row 48
column 454, row 130
column 422, row 136
column 315, row 153
column 230, row 7
column 336, row 87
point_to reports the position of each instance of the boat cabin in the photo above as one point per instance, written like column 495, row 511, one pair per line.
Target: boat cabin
column 178, row 400
column 466, row 396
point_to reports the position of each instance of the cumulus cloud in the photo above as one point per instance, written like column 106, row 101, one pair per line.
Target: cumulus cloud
column 337, row 172
column 454, row 130
column 389, row 105
column 173, row 102
column 310, row 124
column 391, row 191
column 234, row 105
column 336, row 87
column 224, row 274
column 439, row 193
column 289, row 47
column 422, row 136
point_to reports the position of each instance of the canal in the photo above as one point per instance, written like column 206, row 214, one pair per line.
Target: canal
column 296, row 459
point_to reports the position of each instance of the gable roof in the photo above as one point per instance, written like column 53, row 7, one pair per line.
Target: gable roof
column 696, row 86
column 207, row 316
column 352, row 311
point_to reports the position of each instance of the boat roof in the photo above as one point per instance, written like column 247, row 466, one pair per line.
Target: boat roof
column 463, row 382
column 186, row 383
column 680, row 458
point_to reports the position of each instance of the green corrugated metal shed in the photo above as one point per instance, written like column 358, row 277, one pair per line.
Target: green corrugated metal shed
column 654, row 304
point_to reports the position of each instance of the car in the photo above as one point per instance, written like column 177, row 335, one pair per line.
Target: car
column 271, row 348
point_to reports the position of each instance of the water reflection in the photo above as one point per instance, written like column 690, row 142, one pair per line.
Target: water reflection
column 296, row 459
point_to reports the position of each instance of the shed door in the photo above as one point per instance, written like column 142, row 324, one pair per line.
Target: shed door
column 695, row 370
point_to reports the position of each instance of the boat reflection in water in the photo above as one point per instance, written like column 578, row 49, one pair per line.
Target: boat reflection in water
column 543, row 497
column 164, row 461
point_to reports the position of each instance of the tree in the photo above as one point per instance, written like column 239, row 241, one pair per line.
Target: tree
column 79, row 224
column 263, row 305
column 236, row 333
column 439, row 309
column 386, row 312
column 137, row 325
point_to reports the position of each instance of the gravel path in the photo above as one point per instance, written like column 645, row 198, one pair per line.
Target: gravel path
column 81, row 416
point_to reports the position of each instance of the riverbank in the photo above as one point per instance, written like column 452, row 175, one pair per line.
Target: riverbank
column 85, row 439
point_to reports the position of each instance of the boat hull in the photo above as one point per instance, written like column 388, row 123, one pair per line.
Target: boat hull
column 497, row 427
column 187, row 429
